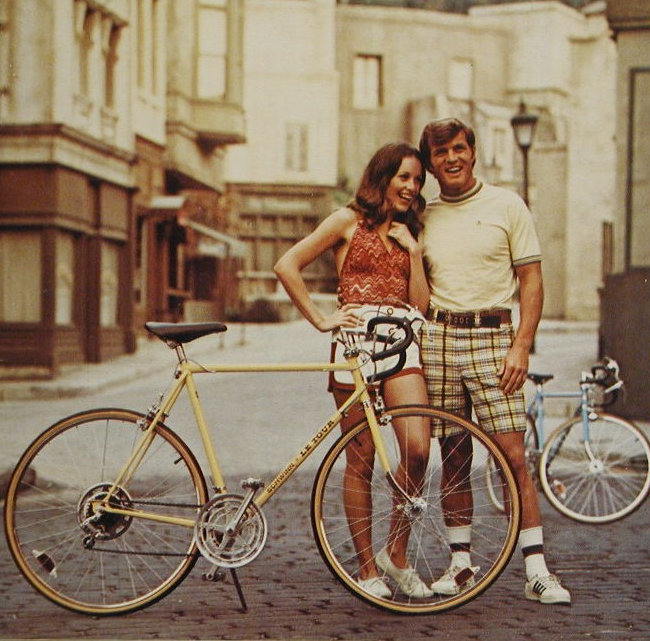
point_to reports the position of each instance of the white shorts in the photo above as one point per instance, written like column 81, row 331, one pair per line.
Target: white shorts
column 413, row 364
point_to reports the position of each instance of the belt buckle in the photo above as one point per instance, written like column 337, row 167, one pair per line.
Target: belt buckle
column 477, row 319
column 462, row 319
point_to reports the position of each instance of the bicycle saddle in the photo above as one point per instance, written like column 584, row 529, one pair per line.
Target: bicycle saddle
column 183, row 332
column 540, row 379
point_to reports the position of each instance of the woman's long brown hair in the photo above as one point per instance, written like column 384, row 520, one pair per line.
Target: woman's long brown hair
column 371, row 194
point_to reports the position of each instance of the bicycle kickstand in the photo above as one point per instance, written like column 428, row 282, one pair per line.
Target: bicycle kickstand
column 217, row 575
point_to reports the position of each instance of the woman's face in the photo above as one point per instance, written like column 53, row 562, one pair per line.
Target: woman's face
column 404, row 186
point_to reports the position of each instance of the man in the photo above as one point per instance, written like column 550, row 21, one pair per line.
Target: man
column 479, row 243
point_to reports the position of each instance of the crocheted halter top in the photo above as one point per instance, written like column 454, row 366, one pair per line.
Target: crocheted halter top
column 371, row 273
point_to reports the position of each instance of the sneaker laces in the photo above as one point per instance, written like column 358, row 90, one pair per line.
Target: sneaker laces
column 548, row 581
column 409, row 580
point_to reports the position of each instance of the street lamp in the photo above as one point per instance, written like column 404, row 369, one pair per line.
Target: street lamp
column 523, row 125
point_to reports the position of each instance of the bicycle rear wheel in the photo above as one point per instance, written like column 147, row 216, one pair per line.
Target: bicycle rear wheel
column 102, row 564
column 494, row 535
column 493, row 477
column 599, row 480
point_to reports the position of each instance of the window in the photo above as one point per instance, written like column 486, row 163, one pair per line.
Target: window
column 212, row 49
column 109, row 285
column 64, row 280
column 149, row 17
column 366, row 79
column 110, row 38
column 20, row 277
column 461, row 76
column 269, row 235
column 296, row 147
column 5, row 58
column 85, row 27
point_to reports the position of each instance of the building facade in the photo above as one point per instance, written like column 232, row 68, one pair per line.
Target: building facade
column 158, row 156
column 187, row 260
column 113, row 120
column 401, row 67
column 66, row 186
column 281, row 181
column 624, row 326
column 338, row 80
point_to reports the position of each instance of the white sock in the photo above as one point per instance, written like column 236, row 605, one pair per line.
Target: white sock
column 531, row 541
column 459, row 542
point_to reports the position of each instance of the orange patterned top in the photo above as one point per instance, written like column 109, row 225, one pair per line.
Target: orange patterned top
column 371, row 273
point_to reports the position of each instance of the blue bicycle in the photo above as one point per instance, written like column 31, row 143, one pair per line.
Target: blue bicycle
column 594, row 467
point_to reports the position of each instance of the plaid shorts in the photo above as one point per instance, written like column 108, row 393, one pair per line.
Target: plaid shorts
column 461, row 368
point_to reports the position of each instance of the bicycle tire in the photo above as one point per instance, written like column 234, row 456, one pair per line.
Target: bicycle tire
column 492, row 476
column 603, row 490
column 132, row 563
column 494, row 535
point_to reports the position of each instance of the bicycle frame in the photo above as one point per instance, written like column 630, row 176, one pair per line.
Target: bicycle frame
column 537, row 413
column 185, row 380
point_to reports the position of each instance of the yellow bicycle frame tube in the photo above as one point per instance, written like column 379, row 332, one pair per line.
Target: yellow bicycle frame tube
column 185, row 379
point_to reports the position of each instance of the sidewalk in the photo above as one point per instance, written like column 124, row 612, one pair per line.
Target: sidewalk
column 563, row 348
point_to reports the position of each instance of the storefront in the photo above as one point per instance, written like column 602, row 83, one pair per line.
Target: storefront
column 188, row 269
column 65, row 272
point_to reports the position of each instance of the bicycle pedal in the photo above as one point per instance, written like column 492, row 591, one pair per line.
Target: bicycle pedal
column 252, row 484
column 559, row 488
column 215, row 575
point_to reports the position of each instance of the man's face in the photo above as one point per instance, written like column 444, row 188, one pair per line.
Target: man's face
column 453, row 165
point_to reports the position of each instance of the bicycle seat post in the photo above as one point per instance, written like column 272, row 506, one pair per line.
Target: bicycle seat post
column 179, row 350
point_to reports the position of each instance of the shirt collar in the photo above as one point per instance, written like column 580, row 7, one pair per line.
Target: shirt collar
column 464, row 196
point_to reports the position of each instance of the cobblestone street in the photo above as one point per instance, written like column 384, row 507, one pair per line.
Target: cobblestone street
column 291, row 594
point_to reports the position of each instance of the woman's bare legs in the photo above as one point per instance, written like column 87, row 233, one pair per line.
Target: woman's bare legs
column 414, row 438
column 357, row 479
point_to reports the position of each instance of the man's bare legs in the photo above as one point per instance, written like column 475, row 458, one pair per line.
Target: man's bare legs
column 457, row 506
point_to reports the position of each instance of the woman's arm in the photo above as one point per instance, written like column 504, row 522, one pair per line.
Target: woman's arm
column 335, row 229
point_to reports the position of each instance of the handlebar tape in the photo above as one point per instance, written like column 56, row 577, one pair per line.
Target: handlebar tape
column 399, row 347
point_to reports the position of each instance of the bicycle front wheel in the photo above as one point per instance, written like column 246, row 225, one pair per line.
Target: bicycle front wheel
column 597, row 473
column 95, row 563
column 494, row 535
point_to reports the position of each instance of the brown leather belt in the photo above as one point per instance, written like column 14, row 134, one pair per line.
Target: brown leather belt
column 486, row 318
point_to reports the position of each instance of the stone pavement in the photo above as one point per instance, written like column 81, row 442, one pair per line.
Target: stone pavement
column 291, row 595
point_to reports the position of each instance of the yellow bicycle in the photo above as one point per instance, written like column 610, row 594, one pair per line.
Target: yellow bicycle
column 108, row 510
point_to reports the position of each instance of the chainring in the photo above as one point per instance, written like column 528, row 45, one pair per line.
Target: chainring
column 217, row 545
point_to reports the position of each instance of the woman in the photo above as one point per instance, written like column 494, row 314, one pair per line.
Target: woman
column 379, row 263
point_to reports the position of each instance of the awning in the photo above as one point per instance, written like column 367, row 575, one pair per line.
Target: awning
column 215, row 243
column 169, row 205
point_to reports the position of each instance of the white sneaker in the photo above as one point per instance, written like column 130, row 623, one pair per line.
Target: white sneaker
column 547, row 590
column 375, row 586
column 454, row 580
column 407, row 579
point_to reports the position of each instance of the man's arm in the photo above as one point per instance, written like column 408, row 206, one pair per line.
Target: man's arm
column 531, row 300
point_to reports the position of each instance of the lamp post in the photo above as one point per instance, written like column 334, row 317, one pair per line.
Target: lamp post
column 523, row 125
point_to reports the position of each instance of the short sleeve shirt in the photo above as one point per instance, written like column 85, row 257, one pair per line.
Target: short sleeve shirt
column 472, row 245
